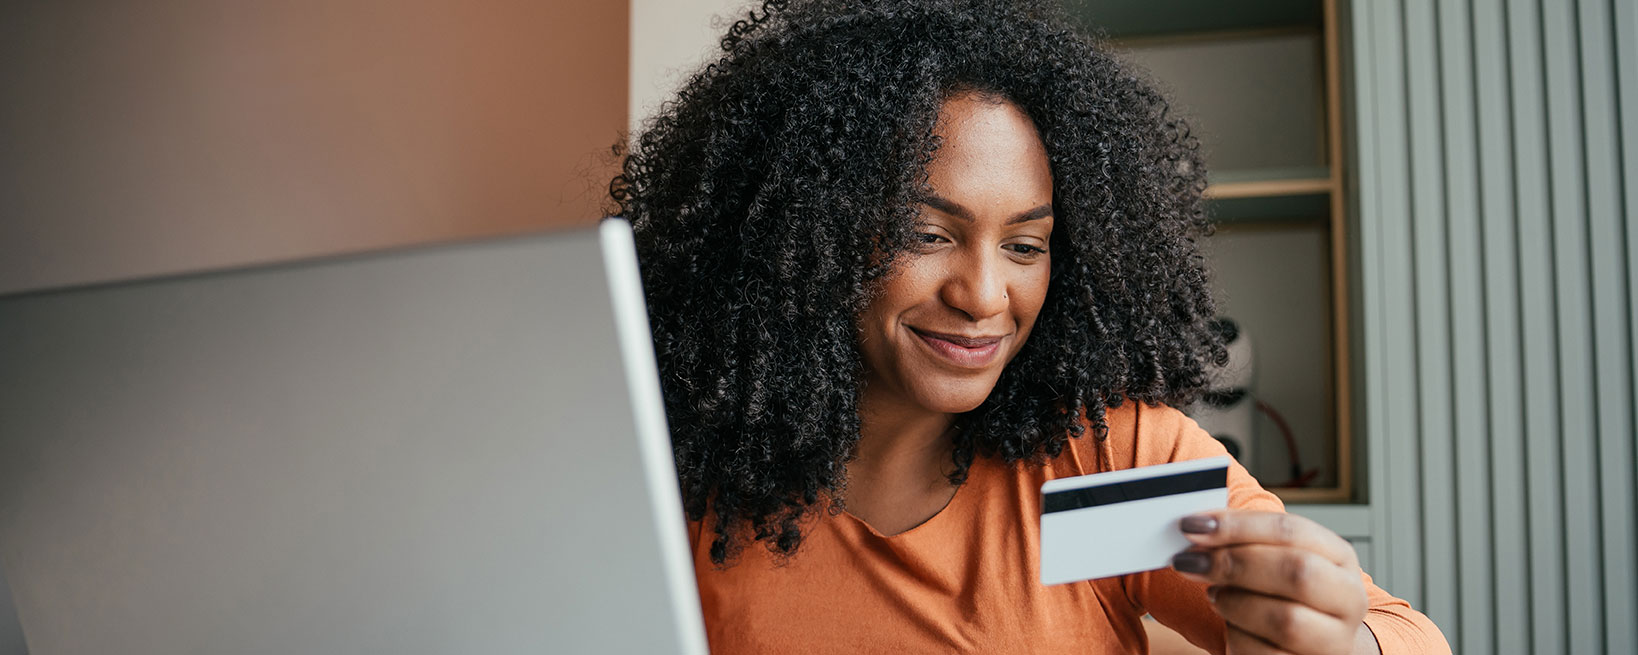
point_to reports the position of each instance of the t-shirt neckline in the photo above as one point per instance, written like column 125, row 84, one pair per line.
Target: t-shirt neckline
column 949, row 505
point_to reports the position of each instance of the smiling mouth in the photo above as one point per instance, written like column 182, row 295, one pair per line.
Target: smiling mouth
column 962, row 351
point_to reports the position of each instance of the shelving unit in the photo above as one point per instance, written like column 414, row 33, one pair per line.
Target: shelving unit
column 1260, row 83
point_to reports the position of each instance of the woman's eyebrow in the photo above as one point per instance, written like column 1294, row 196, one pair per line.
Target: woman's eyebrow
column 955, row 209
column 1034, row 214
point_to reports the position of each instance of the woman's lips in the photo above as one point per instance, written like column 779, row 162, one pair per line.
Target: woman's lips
column 963, row 351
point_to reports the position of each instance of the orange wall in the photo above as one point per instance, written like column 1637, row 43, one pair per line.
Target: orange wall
column 156, row 137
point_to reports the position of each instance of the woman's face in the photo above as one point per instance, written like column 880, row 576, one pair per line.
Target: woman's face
column 959, row 307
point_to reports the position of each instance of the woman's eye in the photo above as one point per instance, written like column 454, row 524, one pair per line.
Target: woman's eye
column 1026, row 249
column 928, row 238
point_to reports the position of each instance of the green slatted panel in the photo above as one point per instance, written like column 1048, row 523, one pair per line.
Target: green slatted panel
column 1395, row 439
column 1368, row 237
column 1547, row 612
column 1612, row 366
column 1432, row 313
column 1574, row 314
column 1503, row 367
column 1623, row 618
column 1472, row 538
column 1626, row 43
column 1500, row 322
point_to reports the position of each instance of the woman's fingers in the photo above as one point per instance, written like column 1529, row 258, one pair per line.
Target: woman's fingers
column 1225, row 527
column 1283, row 583
column 1287, row 572
column 1275, row 625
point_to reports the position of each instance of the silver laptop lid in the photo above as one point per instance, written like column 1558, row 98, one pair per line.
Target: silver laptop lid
column 452, row 449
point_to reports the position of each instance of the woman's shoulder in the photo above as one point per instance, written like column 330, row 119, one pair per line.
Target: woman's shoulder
column 1146, row 435
column 1141, row 434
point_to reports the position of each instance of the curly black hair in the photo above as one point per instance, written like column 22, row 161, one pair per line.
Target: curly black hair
column 774, row 193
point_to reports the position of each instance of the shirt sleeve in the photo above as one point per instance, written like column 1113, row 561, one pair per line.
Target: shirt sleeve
column 1161, row 434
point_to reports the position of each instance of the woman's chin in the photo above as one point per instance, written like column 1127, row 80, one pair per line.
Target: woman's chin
column 956, row 399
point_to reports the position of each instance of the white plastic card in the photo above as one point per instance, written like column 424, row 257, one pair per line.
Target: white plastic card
column 1120, row 522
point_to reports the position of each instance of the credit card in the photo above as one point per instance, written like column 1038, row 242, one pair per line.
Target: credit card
column 1120, row 522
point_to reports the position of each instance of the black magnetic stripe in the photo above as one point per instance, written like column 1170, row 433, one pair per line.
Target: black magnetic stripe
column 1120, row 492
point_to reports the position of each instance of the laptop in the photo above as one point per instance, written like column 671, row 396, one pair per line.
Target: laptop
column 451, row 449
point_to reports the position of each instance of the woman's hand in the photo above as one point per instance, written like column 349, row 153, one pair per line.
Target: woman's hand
column 1283, row 583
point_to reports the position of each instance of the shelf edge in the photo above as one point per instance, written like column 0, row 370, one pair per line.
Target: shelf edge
column 1265, row 188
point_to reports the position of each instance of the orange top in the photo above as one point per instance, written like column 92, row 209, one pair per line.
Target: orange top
column 968, row 579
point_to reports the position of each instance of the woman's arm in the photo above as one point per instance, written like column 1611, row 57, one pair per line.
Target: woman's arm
column 1166, row 641
column 1388, row 625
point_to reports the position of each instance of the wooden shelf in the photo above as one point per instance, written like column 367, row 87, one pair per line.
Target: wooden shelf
column 1284, row 195
column 1269, row 188
column 1317, row 495
column 1296, row 180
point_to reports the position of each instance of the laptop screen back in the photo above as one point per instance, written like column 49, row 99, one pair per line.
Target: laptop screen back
column 430, row 451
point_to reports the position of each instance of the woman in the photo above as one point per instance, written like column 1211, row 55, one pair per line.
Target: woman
column 906, row 261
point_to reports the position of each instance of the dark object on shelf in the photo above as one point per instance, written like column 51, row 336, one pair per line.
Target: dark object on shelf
column 1223, row 398
column 1127, row 18
column 1226, row 329
column 1299, row 477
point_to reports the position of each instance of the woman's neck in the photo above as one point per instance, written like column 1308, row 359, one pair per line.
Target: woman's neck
column 899, row 477
column 900, row 444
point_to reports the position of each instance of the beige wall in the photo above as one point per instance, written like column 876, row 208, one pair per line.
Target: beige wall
column 156, row 137
column 670, row 39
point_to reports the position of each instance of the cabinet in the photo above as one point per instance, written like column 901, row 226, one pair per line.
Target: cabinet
column 1260, row 85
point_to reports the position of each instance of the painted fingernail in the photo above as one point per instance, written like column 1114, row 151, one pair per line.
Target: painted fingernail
column 1190, row 561
column 1199, row 524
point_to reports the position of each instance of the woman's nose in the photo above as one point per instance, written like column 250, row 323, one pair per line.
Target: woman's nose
column 976, row 286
